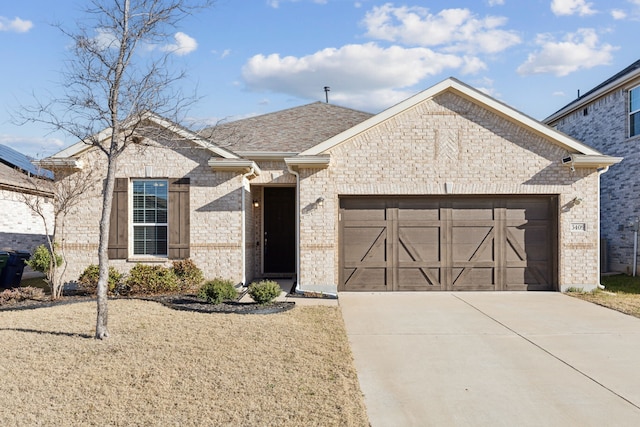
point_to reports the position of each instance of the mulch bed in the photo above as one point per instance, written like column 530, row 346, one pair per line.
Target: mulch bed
column 184, row 302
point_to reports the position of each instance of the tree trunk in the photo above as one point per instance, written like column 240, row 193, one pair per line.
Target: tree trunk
column 102, row 331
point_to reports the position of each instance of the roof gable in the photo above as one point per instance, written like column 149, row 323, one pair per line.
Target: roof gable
column 469, row 93
column 82, row 146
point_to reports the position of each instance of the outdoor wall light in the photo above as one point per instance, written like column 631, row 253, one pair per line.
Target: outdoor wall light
column 256, row 204
column 320, row 201
column 577, row 200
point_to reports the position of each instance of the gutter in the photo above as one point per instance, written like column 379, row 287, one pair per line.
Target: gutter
column 600, row 285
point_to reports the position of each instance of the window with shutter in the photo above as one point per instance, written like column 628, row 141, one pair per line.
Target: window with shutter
column 159, row 215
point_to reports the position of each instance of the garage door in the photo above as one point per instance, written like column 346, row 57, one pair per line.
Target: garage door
column 448, row 243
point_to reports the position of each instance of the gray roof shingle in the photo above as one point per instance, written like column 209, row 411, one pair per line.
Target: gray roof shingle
column 293, row 130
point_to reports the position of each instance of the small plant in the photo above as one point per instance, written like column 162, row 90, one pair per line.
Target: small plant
column 265, row 291
column 218, row 290
column 188, row 273
column 152, row 279
column 41, row 260
column 88, row 280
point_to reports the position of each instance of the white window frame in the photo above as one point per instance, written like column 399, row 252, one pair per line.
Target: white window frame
column 632, row 113
column 134, row 224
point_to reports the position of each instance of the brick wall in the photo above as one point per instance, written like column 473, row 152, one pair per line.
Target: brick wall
column 215, row 199
column 448, row 140
column 20, row 227
column 603, row 125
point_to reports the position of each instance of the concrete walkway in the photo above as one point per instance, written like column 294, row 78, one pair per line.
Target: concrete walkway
column 493, row 359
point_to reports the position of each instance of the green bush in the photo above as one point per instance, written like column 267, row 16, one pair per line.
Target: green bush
column 264, row 291
column 88, row 280
column 40, row 260
column 152, row 279
column 218, row 290
column 188, row 273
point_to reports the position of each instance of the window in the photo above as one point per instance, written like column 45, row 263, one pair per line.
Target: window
column 157, row 224
column 634, row 111
column 150, row 200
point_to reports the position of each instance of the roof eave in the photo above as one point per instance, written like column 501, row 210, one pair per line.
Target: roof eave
column 591, row 161
column 309, row 162
column 234, row 165
column 53, row 163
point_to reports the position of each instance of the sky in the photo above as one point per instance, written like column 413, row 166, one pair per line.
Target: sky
column 248, row 57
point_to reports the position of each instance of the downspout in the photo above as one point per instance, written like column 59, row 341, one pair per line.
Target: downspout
column 299, row 290
column 243, row 249
column 297, row 175
column 600, row 285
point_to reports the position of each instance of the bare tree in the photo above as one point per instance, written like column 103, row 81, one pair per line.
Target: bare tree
column 67, row 193
column 119, row 71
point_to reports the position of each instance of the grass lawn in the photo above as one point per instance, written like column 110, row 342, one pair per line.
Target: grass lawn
column 621, row 293
column 166, row 367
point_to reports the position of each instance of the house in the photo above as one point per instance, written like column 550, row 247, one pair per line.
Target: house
column 20, row 227
column 448, row 190
column 607, row 118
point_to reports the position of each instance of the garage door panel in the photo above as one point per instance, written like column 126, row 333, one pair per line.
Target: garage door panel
column 419, row 279
column 448, row 243
column 369, row 279
column 365, row 243
column 419, row 244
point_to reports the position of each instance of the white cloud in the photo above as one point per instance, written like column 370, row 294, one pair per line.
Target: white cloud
column 367, row 76
column 496, row 2
column 184, row 44
column 572, row 7
column 579, row 50
column 35, row 147
column 559, row 93
column 15, row 25
column 452, row 30
column 618, row 14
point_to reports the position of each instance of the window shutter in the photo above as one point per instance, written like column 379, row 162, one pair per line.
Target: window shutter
column 179, row 218
column 119, row 227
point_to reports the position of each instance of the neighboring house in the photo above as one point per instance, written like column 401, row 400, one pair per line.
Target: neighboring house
column 608, row 118
column 448, row 190
column 20, row 227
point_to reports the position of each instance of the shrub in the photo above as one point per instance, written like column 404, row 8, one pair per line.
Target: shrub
column 188, row 273
column 218, row 290
column 88, row 280
column 41, row 258
column 264, row 291
column 152, row 279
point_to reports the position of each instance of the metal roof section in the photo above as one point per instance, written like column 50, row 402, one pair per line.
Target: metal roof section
column 15, row 159
column 613, row 82
column 451, row 84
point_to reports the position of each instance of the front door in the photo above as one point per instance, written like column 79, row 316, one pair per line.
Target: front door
column 279, row 239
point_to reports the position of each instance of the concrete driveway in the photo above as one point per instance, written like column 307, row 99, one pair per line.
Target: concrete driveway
column 493, row 359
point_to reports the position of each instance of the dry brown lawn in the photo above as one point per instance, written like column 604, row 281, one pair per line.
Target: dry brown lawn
column 167, row 367
column 623, row 302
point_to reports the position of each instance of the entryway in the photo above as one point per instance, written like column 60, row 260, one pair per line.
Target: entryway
column 278, row 234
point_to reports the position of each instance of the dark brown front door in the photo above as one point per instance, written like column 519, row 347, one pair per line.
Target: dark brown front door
column 450, row 243
column 279, row 237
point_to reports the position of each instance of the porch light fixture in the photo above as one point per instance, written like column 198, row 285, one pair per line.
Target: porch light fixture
column 320, row 201
column 256, row 204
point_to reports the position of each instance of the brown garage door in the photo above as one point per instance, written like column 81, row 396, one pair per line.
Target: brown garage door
column 448, row 243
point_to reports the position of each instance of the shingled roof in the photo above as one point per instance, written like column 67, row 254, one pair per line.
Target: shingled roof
column 288, row 131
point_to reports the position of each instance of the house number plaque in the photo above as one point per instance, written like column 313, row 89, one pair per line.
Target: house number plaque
column 578, row 226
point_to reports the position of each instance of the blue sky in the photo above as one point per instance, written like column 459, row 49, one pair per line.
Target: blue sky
column 249, row 57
